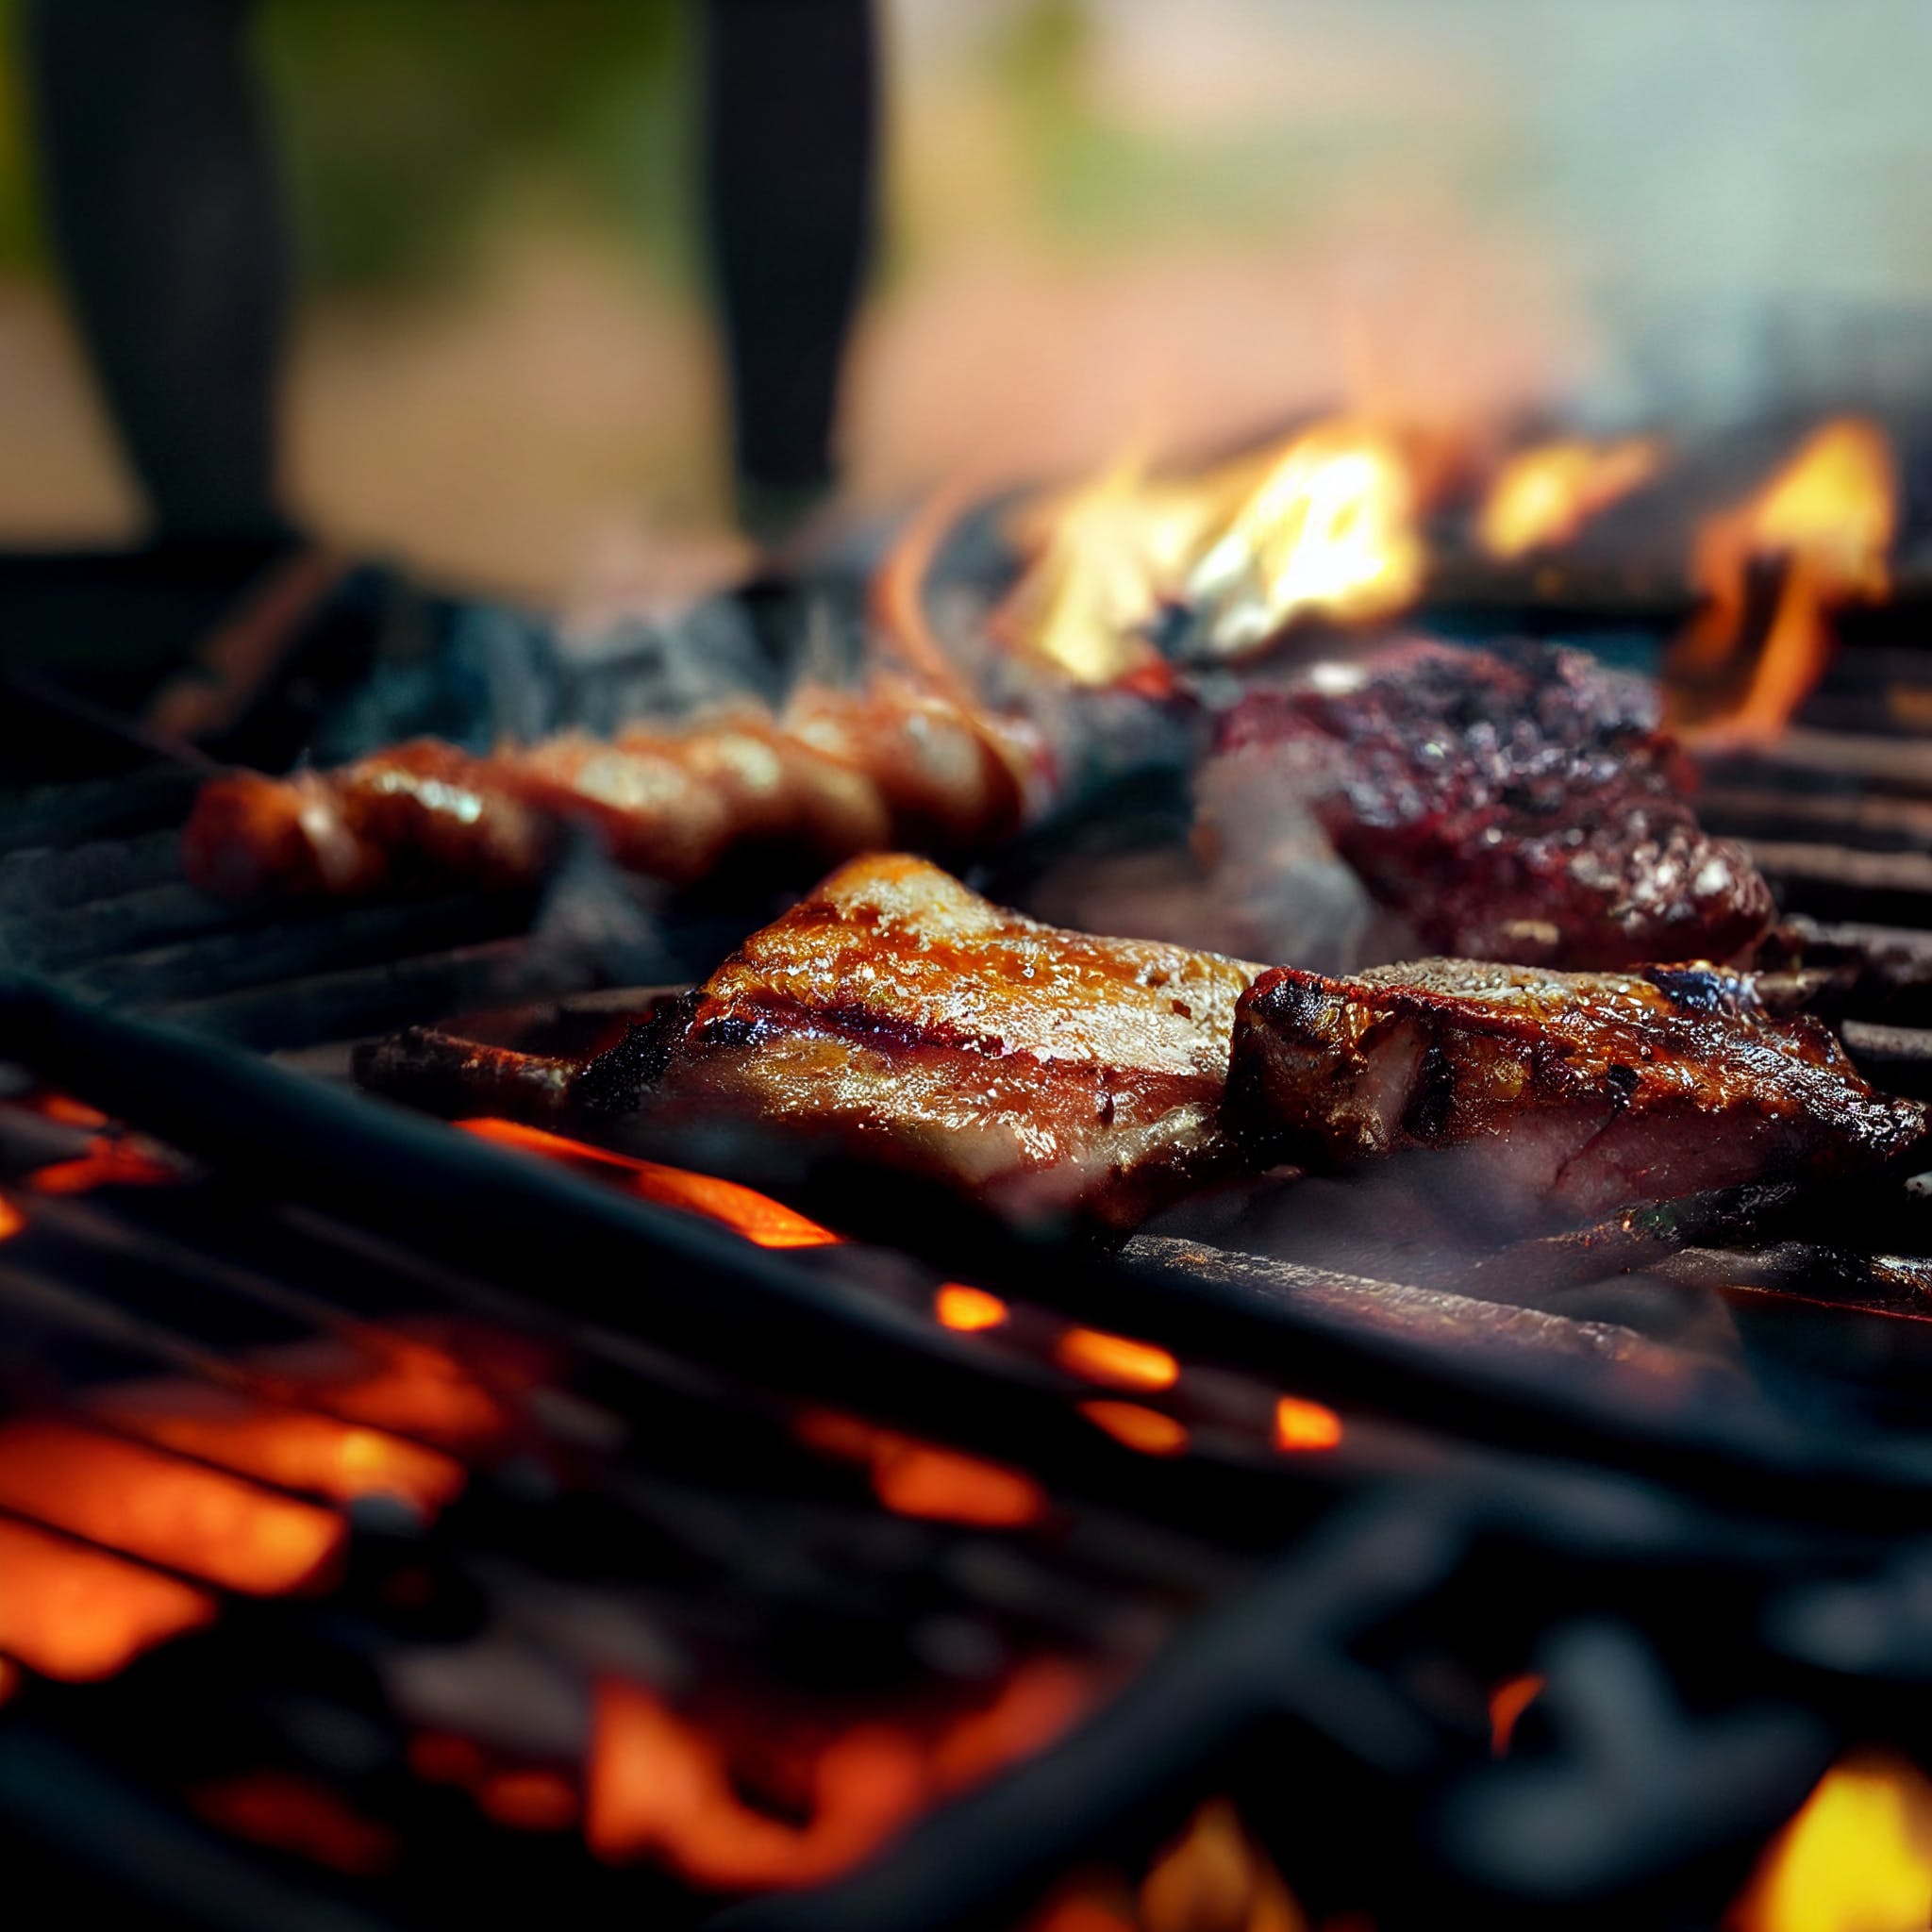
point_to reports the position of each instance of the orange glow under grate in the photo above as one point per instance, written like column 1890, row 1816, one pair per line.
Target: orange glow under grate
column 1304, row 1425
column 136, row 1499
column 968, row 1310
column 1145, row 1429
column 1117, row 1360
column 79, row 1614
column 293, row 1449
column 924, row 1479
column 759, row 1219
column 295, row 1814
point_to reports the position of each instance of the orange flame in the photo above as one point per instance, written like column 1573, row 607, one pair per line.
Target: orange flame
column 659, row 1785
column 968, row 1310
column 1543, row 496
column 1857, row 1857
column 1304, row 1425
column 409, row 1387
column 922, row 1480
column 1827, row 518
column 214, row 1527
column 295, row 1814
column 1507, row 1702
column 81, row 1614
column 11, row 1219
column 1214, row 1876
column 9, row 1679
column 759, row 1217
column 1117, row 1359
column 291, row 1449
column 1145, row 1429
column 1324, row 526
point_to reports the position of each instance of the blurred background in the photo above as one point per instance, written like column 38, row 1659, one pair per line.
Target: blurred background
column 1106, row 221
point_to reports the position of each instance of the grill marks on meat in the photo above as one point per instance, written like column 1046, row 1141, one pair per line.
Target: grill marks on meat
column 842, row 773
column 1585, row 1091
column 898, row 1016
column 1520, row 805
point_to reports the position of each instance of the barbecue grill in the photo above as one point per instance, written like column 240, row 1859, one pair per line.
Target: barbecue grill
column 461, row 1492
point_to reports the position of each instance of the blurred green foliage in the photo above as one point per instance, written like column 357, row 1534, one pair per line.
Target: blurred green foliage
column 405, row 124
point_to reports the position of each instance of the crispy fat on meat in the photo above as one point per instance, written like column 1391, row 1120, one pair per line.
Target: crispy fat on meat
column 900, row 1016
column 1585, row 1090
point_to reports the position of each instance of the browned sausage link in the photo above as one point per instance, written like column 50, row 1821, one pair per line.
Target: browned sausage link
column 842, row 773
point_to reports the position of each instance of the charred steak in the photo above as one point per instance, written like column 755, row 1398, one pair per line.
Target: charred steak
column 1585, row 1090
column 1520, row 805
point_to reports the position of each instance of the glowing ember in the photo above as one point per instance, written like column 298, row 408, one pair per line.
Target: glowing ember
column 81, row 1614
column 176, row 1513
column 759, row 1217
column 1857, row 1857
column 11, row 1219
column 412, row 1388
column 1825, row 521
column 661, row 1788
column 1300, row 1424
column 1035, row 1704
column 69, row 1113
column 1507, row 1702
column 293, row 1449
column 1543, row 496
column 968, row 1310
column 1117, row 1360
column 529, row 1800
column 1145, row 1429
column 295, row 1814
column 1323, row 526
column 922, row 1480
column 109, row 1161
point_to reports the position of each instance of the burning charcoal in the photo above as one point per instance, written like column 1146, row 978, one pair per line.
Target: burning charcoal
column 1518, row 805
column 1567, row 1092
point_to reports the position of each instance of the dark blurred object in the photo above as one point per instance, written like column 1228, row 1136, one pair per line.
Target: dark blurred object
column 168, row 213
column 790, row 141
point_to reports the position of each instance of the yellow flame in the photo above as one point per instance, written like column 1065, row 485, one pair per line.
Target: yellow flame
column 1857, row 1857
column 1830, row 514
column 1330, row 532
column 1543, row 496
column 1320, row 525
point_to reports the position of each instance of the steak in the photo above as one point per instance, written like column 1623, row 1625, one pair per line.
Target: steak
column 1520, row 804
column 1585, row 1092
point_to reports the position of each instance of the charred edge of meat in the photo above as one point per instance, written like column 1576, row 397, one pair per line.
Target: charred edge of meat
column 442, row 1073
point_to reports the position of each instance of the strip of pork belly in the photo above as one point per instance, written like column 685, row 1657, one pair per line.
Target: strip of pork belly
column 901, row 1018
column 1580, row 1092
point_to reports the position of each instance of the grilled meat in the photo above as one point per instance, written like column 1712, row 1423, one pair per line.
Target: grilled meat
column 1520, row 805
column 895, row 1016
column 1583, row 1090
column 841, row 772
